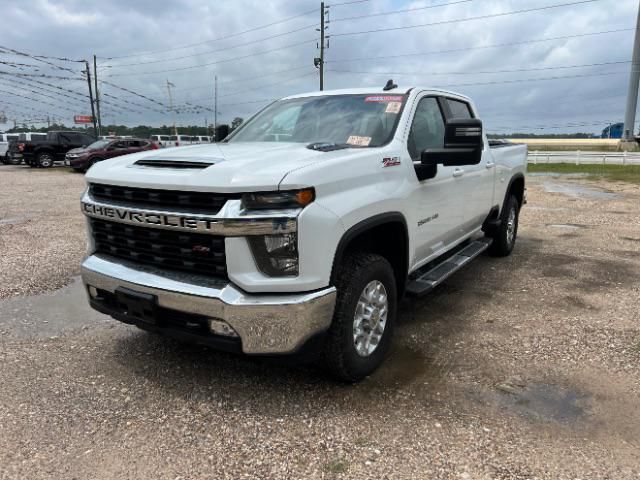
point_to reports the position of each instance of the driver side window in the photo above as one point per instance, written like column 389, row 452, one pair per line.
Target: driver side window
column 427, row 130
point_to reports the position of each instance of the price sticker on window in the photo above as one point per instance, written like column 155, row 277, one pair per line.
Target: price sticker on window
column 393, row 107
column 359, row 141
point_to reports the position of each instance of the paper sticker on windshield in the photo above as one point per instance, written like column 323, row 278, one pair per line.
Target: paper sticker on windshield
column 359, row 141
column 393, row 107
column 383, row 98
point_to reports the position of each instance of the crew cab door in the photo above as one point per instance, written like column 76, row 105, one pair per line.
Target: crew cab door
column 477, row 179
column 436, row 204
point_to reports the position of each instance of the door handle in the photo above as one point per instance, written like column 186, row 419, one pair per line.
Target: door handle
column 490, row 164
column 458, row 172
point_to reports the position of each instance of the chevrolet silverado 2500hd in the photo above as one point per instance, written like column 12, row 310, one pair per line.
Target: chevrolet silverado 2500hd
column 306, row 226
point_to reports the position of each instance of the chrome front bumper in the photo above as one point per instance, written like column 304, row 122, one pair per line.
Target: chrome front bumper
column 266, row 323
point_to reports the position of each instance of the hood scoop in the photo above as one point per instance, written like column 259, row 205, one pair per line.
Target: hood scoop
column 177, row 164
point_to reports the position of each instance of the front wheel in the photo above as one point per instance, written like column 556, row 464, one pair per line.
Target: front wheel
column 45, row 160
column 364, row 317
column 504, row 238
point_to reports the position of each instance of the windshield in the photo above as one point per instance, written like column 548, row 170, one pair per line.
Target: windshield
column 99, row 145
column 358, row 120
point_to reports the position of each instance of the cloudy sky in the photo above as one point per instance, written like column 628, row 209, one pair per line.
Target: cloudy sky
column 529, row 68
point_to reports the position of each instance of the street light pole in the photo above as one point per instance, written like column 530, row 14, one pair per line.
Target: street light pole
column 634, row 81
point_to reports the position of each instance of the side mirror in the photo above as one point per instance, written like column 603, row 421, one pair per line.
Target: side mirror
column 462, row 144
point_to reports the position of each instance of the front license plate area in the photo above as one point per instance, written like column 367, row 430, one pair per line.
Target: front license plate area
column 137, row 305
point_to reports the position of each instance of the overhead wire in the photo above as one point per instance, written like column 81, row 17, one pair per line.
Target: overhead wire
column 468, row 19
column 224, row 37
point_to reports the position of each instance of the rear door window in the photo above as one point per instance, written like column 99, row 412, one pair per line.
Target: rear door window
column 459, row 109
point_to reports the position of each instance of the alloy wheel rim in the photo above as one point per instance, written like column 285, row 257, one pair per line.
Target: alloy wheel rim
column 370, row 318
column 511, row 226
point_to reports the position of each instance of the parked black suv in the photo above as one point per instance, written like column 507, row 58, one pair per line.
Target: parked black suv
column 44, row 153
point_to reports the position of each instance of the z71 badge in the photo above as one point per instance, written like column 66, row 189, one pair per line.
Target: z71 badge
column 390, row 162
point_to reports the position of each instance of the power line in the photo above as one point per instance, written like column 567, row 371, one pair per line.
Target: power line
column 394, row 12
column 497, row 45
column 225, row 37
column 252, row 42
column 41, row 75
column 38, row 101
column 39, row 58
column 236, row 80
column 500, row 82
column 469, row 19
column 233, row 59
column 518, row 70
column 347, row 3
column 261, row 87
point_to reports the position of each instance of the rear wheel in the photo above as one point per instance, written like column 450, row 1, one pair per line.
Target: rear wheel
column 45, row 160
column 504, row 237
column 364, row 317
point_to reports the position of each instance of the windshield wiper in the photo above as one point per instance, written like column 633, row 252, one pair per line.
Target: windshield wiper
column 327, row 146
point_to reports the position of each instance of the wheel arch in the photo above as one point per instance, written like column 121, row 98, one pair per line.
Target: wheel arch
column 515, row 187
column 373, row 235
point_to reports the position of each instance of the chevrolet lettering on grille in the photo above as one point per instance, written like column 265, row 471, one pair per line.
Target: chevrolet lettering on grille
column 148, row 218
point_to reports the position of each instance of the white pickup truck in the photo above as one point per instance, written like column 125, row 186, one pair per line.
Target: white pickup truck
column 304, row 228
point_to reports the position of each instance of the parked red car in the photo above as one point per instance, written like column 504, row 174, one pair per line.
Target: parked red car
column 80, row 159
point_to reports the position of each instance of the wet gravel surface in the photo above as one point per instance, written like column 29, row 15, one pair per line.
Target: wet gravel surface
column 520, row 368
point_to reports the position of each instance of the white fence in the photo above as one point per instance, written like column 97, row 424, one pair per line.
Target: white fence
column 578, row 157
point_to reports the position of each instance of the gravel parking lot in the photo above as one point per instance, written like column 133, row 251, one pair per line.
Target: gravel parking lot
column 526, row 367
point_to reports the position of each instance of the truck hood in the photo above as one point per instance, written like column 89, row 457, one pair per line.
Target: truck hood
column 235, row 167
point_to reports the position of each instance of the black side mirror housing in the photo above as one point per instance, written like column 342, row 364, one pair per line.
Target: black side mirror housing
column 462, row 144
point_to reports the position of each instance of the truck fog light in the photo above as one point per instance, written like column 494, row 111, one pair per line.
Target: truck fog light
column 220, row 327
column 93, row 291
column 276, row 255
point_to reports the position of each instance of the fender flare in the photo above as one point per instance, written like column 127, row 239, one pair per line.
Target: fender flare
column 360, row 228
column 515, row 177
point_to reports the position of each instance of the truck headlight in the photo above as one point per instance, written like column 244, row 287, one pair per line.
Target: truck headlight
column 276, row 255
column 288, row 199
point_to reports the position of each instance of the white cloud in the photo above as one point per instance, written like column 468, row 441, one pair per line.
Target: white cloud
column 78, row 29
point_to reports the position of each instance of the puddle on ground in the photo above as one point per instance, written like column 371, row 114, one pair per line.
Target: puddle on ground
column 568, row 226
column 400, row 369
column 578, row 191
column 542, row 402
column 49, row 314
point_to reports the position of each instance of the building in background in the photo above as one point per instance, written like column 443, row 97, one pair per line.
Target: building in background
column 613, row 131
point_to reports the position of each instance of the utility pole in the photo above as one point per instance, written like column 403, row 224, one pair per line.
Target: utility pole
column 175, row 130
column 95, row 79
column 215, row 108
column 93, row 113
column 634, row 80
column 321, row 46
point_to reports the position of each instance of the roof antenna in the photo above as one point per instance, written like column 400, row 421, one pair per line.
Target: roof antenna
column 390, row 85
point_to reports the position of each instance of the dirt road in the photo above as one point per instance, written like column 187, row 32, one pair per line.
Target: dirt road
column 520, row 368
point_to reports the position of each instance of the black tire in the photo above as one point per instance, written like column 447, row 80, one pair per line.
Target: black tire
column 92, row 162
column 357, row 271
column 45, row 160
column 504, row 237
